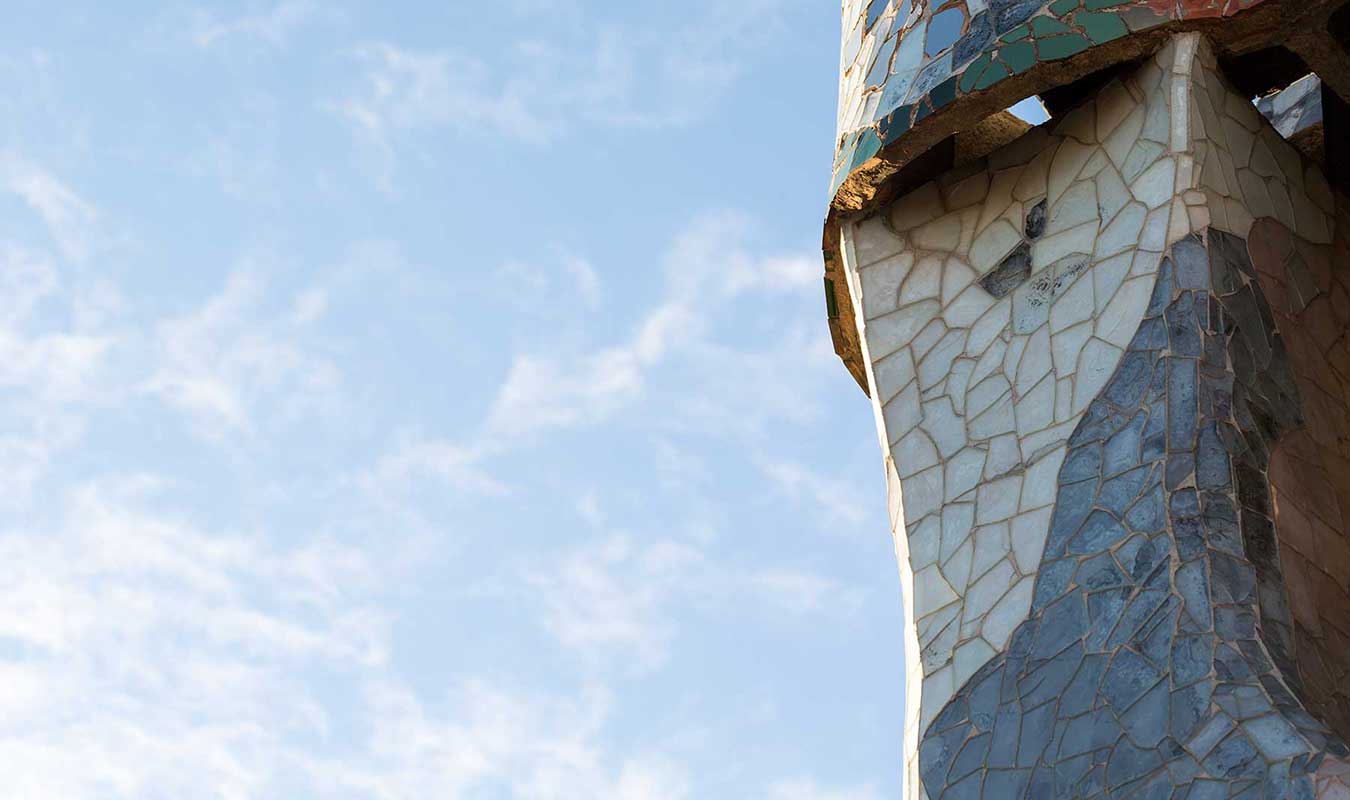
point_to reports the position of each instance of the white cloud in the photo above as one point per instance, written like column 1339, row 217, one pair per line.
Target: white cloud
column 272, row 26
column 807, row 789
column 572, row 73
column 419, row 457
column 829, row 497
column 51, row 368
column 800, row 592
column 590, row 509
column 226, row 362
column 69, row 218
column 614, row 596
column 586, row 278
column 539, row 291
column 146, row 656
column 618, row 601
column 541, row 393
column 500, row 743
column 708, row 269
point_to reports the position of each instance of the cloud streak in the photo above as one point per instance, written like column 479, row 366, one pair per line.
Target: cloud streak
column 224, row 363
column 273, row 26
column 539, row 87
column 707, row 270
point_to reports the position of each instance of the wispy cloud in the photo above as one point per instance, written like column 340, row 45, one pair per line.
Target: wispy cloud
column 190, row 639
column 711, row 274
column 70, row 219
column 614, row 596
column 621, row 601
column 224, row 361
column 549, row 82
column 497, row 742
column 546, row 290
column 199, row 645
column 831, row 498
column 708, row 268
column 273, row 25
column 415, row 458
column 808, row 789
column 51, row 368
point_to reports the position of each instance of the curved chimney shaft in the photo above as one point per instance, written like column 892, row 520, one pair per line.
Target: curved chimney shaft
column 1109, row 361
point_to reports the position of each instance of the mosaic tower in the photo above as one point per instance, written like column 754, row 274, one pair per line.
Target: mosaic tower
column 1109, row 360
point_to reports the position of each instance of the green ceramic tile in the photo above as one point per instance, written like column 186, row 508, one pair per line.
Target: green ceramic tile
column 996, row 72
column 845, row 149
column 1061, row 7
column 837, row 182
column 944, row 92
column 974, row 71
column 1047, row 26
column 897, row 124
column 1093, row 5
column 1054, row 48
column 1020, row 32
column 1101, row 26
column 868, row 146
column 1019, row 56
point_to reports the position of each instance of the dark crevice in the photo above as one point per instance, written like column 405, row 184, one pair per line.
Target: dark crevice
column 1062, row 99
column 1264, row 71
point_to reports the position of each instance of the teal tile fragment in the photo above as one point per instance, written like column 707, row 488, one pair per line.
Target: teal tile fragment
column 1048, row 26
column 943, row 93
column 868, row 145
column 1019, row 56
column 1101, row 26
column 1053, row 48
column 896, row 125
column 972, row 75
column 997, row 71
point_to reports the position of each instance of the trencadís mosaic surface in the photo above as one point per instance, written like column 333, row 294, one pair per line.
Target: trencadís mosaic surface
column 904, row 59
column 1110, row 366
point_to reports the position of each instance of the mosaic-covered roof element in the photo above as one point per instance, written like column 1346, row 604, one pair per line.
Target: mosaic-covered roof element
column 924, row 84
column 904, row 59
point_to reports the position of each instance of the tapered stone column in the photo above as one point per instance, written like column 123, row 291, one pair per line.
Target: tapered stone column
column 1109, row 361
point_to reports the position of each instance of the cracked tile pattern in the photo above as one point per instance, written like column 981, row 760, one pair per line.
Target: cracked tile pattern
column 981, row 380
column 1148, row 667
column 1000, row 308
column 982, row 370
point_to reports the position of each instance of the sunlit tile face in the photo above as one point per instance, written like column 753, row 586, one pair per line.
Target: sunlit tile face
column 1111, row 362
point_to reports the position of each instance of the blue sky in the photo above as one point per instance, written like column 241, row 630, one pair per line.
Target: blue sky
column 432, row 400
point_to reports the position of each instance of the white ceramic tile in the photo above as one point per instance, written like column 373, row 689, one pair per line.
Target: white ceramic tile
column 964, row 471
column 993, row 245
column 874, row 241
column 997, row 501
column 1155, row 186
column 942, row 235
column 1029, row 532
column 881, row 283
column 924, row 281
column 916, row 208
column 1008, row 613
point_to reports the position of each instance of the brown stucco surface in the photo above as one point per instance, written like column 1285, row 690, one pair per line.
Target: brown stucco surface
column 1308, row 287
